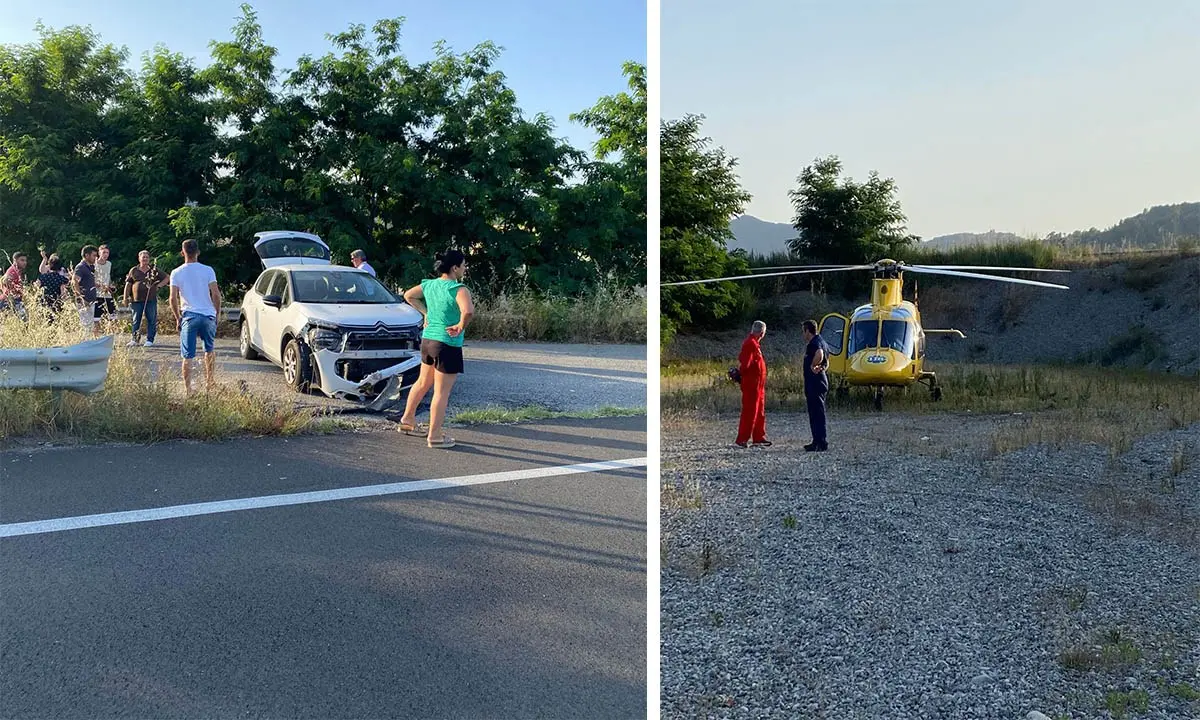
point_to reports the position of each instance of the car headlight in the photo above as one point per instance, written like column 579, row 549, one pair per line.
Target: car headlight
column 322, row 338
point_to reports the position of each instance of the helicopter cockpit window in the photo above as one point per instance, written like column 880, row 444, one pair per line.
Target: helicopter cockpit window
column 897, row 335
column 863, row 334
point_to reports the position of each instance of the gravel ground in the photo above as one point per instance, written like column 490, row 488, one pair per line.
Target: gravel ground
column 907, row 574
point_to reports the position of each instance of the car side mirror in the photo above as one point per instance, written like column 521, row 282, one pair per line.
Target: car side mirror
column 272, row 300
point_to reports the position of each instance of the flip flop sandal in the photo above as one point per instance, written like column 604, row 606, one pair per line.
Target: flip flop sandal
column 418, row 430
column 445, row 442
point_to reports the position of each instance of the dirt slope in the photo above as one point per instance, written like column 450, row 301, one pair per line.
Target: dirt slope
column 1143, row 314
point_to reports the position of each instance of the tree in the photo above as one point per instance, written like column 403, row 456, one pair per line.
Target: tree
column 700, row 194
column 612, row 198
column 841, row 221
column 358, row 145
column 58, row 177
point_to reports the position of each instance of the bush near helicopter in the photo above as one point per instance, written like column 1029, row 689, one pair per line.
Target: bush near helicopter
column 882, row 343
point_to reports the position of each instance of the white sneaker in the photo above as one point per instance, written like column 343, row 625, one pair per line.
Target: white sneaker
column 149, row 344
column 132, row 343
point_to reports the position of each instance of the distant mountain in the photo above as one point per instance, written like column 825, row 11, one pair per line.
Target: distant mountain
column 759, row 236
column 1156, row 226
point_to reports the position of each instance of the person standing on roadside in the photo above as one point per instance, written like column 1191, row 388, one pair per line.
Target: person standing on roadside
column 85, row 288
column 816, row 385
column 358, row 259
column 142, row 283
column 54, row 286
column 106, row 307
column 196, row 303
column 447, row 306
column 12, row 285
column 752, row 367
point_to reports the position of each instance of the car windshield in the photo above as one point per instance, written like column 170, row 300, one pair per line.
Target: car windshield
column 862, row 335
column 340, row 286
column 897, row 335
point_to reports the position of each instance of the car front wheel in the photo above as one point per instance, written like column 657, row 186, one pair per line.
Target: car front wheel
column 297, row 366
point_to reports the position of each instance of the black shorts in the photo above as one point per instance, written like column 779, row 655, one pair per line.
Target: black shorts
column 105, row 306
column 444, row 358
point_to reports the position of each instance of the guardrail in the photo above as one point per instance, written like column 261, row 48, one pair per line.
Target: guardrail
column 81, row 368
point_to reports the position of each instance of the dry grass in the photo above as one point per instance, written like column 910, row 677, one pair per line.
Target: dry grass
column 1067, row 404
column 605, row 314
column 134, row 406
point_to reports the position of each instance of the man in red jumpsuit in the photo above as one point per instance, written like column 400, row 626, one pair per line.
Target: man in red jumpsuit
column 753, row 369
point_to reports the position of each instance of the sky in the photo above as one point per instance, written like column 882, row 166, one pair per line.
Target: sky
column 1003, row 115
column 558, row 57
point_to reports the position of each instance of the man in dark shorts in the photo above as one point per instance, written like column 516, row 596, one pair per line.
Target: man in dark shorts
column 85, row 287
column 816, row 385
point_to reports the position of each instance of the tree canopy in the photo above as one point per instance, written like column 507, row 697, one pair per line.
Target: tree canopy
column 360, row 145
column 700, row 193
column 841, row 221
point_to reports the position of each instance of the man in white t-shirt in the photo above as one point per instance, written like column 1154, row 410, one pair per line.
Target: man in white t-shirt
column 196, row 302
column 358, row 258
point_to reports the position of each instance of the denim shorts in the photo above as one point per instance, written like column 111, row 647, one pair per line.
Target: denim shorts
column 194, row 326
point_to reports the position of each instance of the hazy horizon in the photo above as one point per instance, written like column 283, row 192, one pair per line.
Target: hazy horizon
column 1011, row 117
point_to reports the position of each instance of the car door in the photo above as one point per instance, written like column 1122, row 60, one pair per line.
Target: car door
column 272, row 320
column 253, row 307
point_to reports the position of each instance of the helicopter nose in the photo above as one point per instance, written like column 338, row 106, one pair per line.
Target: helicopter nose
column 880, row 361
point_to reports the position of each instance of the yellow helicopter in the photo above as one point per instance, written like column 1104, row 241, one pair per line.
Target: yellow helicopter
column 882, row 343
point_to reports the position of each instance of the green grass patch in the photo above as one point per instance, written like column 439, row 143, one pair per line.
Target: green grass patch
column 495, row 415
column 1120, row 704
column 1114, row 651
column 1183, row 691
column 1066, row 403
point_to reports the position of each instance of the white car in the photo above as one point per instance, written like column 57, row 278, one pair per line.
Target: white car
column 329, row 327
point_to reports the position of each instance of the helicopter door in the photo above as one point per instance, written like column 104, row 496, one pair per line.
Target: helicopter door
column 833, row 331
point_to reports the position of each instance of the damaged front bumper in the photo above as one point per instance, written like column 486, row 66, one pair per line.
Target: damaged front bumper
column 347, row 367
column 377, row 391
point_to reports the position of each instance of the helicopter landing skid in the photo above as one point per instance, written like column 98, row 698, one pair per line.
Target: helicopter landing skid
column 929, row 379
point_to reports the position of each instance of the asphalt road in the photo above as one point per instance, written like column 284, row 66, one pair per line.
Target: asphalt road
column 510, row 599
column 559, row 377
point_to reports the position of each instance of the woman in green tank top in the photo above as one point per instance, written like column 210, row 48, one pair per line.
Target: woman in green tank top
column 447, row 306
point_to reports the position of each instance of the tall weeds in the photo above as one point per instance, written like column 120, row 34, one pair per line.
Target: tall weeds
column 604, row 314
column 141, row 400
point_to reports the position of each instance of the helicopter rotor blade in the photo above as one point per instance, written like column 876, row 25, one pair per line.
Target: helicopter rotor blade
column 798, row 267
column 983, row 267
column 981, row 276
column 762, row 275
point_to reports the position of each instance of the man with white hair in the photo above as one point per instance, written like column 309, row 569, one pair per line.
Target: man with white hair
column 358, row 258
column 752, row 367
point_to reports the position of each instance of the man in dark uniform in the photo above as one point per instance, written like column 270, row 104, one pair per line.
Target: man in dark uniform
column 816, row 385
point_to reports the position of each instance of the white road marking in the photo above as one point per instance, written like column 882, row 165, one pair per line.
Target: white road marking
column 38, row 527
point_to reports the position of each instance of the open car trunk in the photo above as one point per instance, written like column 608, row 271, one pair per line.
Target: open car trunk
column 290, row 247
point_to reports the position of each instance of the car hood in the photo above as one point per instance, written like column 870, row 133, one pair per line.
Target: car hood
column 363, row 315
